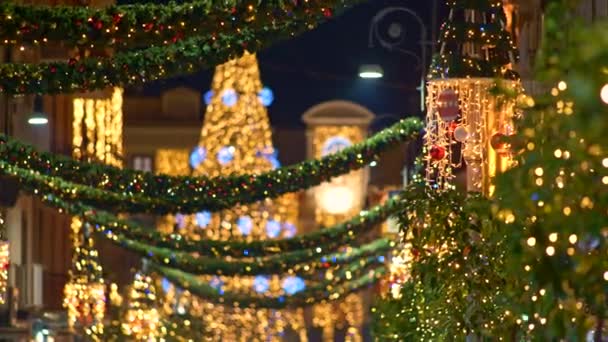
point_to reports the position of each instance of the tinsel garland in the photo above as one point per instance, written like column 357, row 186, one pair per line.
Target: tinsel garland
column 145, row 24
column 152, row 63
column 326, row 239
column 125, row 190
column 363, row 273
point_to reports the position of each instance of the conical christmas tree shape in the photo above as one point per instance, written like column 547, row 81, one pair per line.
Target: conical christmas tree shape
column 236, row 138
column 474, row 42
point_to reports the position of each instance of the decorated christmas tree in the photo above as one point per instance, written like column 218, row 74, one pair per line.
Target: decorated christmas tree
column 474, row 42
column 236, row 138
column 555, row 201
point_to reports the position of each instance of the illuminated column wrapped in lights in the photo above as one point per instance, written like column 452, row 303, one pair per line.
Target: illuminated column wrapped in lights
column 465, row 121
column 84, row 294
column 4, row 257
column 332, row 126
column 96, row 135
column 236, row 138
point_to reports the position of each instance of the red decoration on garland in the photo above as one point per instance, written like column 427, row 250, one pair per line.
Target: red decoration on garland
column 498, row 143
column 117, row 18
column 72, row 62
column 447, row 105
column 98, row 25
column 437, row 152
column 148, row 27
column 327, row 12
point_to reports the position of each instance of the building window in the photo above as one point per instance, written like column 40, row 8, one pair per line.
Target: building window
column 142, row 163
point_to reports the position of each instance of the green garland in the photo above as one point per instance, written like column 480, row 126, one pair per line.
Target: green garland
column 153, row 63
column 136, row 191
column 456, row 285
column 135, row 25
column 363, row 272
column 107, row 223
column 299, row 261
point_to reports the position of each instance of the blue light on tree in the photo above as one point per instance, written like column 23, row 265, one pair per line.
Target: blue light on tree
column 271, row 155
column 245, row 225
column 229, row 97
column 203, row 219
column 273, row 228
column 261, row 284
column 293, row 284
column 166, row 285
column 180, row 220
column 266, row 96
column 334, row 145
column 289, row 229
column 197, row 156
column 225, row 155
column 217, row 284
column 208, row 97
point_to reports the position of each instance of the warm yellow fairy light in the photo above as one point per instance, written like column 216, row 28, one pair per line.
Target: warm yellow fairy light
column 531, row 241
column 96, row 135
column 550, row 250
column 604, row 93
column 142, row 319
column 4, row 265
column 482, row 117
column 553, row 237
column 606, row 275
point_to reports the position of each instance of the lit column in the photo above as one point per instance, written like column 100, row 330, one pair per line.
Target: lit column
column 331, row 127
column 96, row 135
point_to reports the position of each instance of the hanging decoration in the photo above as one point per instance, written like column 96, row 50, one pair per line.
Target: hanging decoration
column 463, row 112
column 138, row 191
column 325, row 238
column 144, row 24
column 182, row 55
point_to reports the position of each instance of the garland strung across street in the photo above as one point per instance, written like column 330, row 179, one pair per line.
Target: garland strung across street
column 327, row 239
column 156, row 62
column 148, row 23
column 363, row 273
column 299, row 261
column 111, row 188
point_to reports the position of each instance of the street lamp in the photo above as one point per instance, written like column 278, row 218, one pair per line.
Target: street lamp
column 395, row 32
column 371, row 71
column 38, row 116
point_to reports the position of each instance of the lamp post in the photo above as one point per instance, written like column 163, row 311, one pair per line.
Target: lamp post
column 395, row 32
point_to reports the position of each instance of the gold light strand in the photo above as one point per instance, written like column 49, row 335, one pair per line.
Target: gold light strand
column 483, row 121
column 84, row 294
column 97, row 134
column 4, row 258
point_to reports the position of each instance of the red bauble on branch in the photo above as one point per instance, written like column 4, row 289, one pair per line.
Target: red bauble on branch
column 499, row 144
column 437, row 152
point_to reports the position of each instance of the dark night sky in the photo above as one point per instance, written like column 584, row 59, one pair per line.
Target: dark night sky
column 323, row 64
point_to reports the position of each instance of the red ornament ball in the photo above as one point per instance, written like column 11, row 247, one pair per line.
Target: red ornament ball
column 327, row 13
column 447, row 105
column 437, row 152
column 497, row 141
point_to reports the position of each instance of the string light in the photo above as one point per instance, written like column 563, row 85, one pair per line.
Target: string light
column 96, row 135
